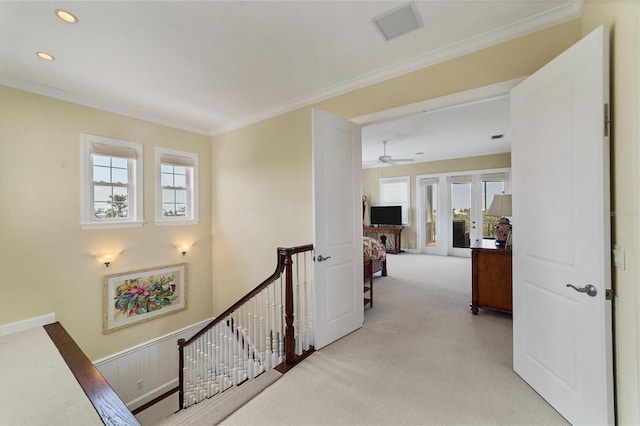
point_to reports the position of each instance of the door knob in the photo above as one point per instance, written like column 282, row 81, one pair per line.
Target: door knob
column 321, row 258
column 589, row 289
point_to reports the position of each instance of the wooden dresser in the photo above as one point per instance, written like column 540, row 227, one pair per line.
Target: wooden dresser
column 491, row 285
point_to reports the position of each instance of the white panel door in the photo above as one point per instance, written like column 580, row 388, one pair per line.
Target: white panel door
column 561, row 233
column 337, row 198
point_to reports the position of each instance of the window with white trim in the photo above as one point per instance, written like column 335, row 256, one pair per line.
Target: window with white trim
column 111, row 182
column 176, row 187
column 396, row 191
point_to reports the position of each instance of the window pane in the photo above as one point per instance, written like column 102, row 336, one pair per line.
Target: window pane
column 101, row 210
column 168, row 196
column 461, row 213
column 488, row 222
column 168, row 209
column 181, row 209
column 120, row 202
column 102, row 193
column 180, row 181
column 120, row 163
column 167, row 179
column 101, row 174
column 395, row 192
column 430, row 192
column 177, row 183
column 99, row 160
column 119, row 176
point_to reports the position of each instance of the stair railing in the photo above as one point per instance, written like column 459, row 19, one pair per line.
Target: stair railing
column 271, row 324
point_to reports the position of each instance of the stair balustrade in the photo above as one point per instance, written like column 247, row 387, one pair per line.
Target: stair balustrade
column 271, row 326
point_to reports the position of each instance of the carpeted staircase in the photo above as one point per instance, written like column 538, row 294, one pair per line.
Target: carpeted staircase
column 212, row 411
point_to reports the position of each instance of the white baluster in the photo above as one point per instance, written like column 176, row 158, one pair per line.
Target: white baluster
column 236, row 351
column 297, row 314
column 267, row 326
column 260, row 341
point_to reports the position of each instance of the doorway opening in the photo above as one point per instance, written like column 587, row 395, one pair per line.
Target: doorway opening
column 453, row 136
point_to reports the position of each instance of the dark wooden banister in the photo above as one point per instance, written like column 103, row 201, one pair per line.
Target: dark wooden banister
column 108, row 405
column 284, row 264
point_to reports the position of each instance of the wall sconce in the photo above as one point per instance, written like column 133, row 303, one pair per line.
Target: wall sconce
column 106, row 258
column 183, row 248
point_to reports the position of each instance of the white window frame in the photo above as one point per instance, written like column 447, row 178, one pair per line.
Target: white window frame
column 135, row 184
column 406, row 206
column 192, row 214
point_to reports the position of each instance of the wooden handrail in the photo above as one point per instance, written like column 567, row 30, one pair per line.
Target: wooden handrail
column 282, row 254
column 284, row 264
column 108, row 405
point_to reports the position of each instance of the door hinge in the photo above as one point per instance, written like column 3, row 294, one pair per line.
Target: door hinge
column 608, row 294
column 607, row 121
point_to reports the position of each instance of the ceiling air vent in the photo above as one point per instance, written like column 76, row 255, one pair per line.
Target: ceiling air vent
column 398, row 21
column 500, row 136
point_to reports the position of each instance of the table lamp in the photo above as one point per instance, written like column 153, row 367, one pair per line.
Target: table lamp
column 501, row 206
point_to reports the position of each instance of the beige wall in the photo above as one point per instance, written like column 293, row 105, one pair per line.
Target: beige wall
column 261, row 200
column 371, row 179
column 46, row 260
column 622, row 18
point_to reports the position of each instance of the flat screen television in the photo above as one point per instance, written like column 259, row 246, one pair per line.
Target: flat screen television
column 386, row 215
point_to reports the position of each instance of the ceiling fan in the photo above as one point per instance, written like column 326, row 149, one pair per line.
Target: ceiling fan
column 387, row 159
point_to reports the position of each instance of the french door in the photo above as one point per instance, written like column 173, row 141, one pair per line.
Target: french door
column 452, row 210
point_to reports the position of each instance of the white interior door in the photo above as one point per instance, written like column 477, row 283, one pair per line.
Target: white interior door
column 561, row 231
column 337, row 174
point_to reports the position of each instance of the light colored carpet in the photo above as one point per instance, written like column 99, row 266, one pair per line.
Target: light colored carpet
column 37, row 387
column 421, row 358
column 212, row 411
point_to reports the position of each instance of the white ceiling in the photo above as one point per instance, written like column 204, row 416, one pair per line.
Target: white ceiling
column 464, row 130
column 211, row 66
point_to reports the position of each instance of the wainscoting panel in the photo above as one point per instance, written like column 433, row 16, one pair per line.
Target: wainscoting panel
column 144, row 372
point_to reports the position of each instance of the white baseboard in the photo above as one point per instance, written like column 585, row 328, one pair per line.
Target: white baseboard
column 26, row 324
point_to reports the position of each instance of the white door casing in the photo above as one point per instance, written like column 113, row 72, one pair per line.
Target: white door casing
column 337, row 206
column 561, row 232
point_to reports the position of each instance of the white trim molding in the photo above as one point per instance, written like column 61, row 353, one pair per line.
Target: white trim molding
column 26, row 324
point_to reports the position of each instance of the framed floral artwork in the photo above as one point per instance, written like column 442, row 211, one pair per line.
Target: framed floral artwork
column 136, row 296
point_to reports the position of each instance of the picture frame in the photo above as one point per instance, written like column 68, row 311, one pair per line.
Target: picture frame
column 137, row 296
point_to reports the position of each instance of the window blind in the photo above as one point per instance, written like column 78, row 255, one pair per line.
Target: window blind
column 176, row 160
column 112, row 151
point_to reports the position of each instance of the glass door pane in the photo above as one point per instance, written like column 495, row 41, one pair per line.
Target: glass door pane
column 461, row 212
column 491, row 185
column 430, row 197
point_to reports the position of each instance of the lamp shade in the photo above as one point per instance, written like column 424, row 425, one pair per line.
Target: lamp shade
column 500, row 205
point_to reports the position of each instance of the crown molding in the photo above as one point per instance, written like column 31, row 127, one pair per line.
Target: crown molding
column 52, row 92
column 570, row 10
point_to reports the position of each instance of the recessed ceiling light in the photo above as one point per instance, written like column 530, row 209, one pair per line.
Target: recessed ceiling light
column 66, row 16
column 46, row 56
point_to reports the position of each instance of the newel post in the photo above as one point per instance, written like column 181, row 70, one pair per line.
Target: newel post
column 289, row 333
column 181, row 343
